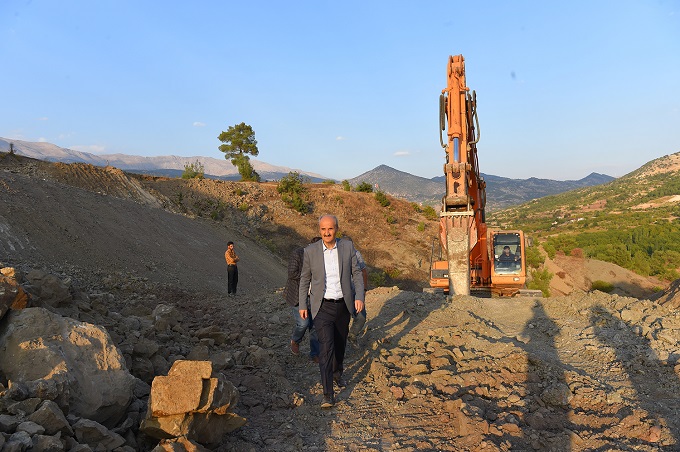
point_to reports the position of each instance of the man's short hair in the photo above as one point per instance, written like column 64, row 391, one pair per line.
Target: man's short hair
column 332, row 216
column 506, row 247
column 229, row 243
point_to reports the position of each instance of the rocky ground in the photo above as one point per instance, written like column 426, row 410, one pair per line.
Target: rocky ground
column 588, row 371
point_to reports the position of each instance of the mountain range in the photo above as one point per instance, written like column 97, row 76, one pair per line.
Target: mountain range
column 166, row 165
column 501, row 192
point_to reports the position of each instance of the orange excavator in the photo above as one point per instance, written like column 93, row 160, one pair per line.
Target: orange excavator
column 470, row 258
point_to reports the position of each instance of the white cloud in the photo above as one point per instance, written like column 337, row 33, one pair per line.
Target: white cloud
column 16, row 135
column 90, row 148
column 340, row 138
column 199, row 124
column 42, row 140
column 402, row 153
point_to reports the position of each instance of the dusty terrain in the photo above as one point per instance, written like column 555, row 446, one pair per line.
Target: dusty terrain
column 588, row 371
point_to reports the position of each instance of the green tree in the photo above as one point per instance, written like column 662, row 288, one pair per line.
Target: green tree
column 238, row 143
column 193, row 170
column 346, row 186
column 364, row 187
column 245, row 169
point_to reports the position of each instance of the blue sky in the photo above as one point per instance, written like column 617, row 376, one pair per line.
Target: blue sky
column 339, row 87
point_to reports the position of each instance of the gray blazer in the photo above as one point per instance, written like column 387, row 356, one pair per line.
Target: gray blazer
column 314, row 273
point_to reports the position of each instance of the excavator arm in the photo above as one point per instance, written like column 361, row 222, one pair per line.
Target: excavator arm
column 462, row 228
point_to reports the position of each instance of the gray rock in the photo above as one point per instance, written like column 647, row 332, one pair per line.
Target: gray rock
column 142, row 368
column 45, row 443
column 21, row 439
column 9, row 423
column 50, row 416
column 165, row 317
column 95, row 434
column 37, row 344
column 31, row 428
column 557, row 394
column 25, row 407
column 145, row 347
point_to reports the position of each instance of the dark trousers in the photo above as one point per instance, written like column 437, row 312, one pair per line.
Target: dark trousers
column 232, row 278
column 331, row 324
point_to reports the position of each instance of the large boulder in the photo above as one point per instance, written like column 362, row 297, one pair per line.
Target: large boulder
column 192, row 403
column 36, row 344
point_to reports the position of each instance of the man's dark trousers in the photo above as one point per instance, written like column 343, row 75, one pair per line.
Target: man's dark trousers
column 332, row 325
column 232, row 278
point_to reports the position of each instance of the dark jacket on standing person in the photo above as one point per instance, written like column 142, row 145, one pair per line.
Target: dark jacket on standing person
column 291, row 292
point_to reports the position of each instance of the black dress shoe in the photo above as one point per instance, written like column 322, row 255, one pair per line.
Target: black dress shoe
column 340, row 382
column 327, row 402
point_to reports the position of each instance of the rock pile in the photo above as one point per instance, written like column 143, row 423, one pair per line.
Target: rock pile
column 202, row 411
column 65, row 383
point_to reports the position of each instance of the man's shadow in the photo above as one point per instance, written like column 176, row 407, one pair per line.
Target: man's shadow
column 655, row 383
column 399, row 316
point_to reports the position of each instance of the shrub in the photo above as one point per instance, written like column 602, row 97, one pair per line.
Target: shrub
column 293, row 182
column 382, row 198
column 602, row 286
column 393, row 273
column 364, row 187
column 421, row 226
column 346, row 186
column 540, row 280
column 550, row 250
column 295, row 202
column 377, row 279
column 243, row 206
column 430, row 213
column 193, row 170
column 329, row 182
column 416, row 207
column 534, row 258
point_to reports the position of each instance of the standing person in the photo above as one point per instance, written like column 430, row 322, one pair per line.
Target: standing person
column 290, row 294
column 359, row 318
column 232, row 269
column 329, row 269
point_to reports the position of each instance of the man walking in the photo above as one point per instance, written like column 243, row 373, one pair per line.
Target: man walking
column 329, row 270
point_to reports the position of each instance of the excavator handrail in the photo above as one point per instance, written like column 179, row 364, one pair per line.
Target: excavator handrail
column 442, row 118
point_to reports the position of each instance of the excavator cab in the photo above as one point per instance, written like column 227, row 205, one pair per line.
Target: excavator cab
column 507, row 253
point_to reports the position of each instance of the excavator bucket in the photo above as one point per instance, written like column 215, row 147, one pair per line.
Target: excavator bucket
column 458, row 254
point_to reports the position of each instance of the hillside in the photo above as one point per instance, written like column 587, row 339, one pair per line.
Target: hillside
column 42, row 227
column 589, row 371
